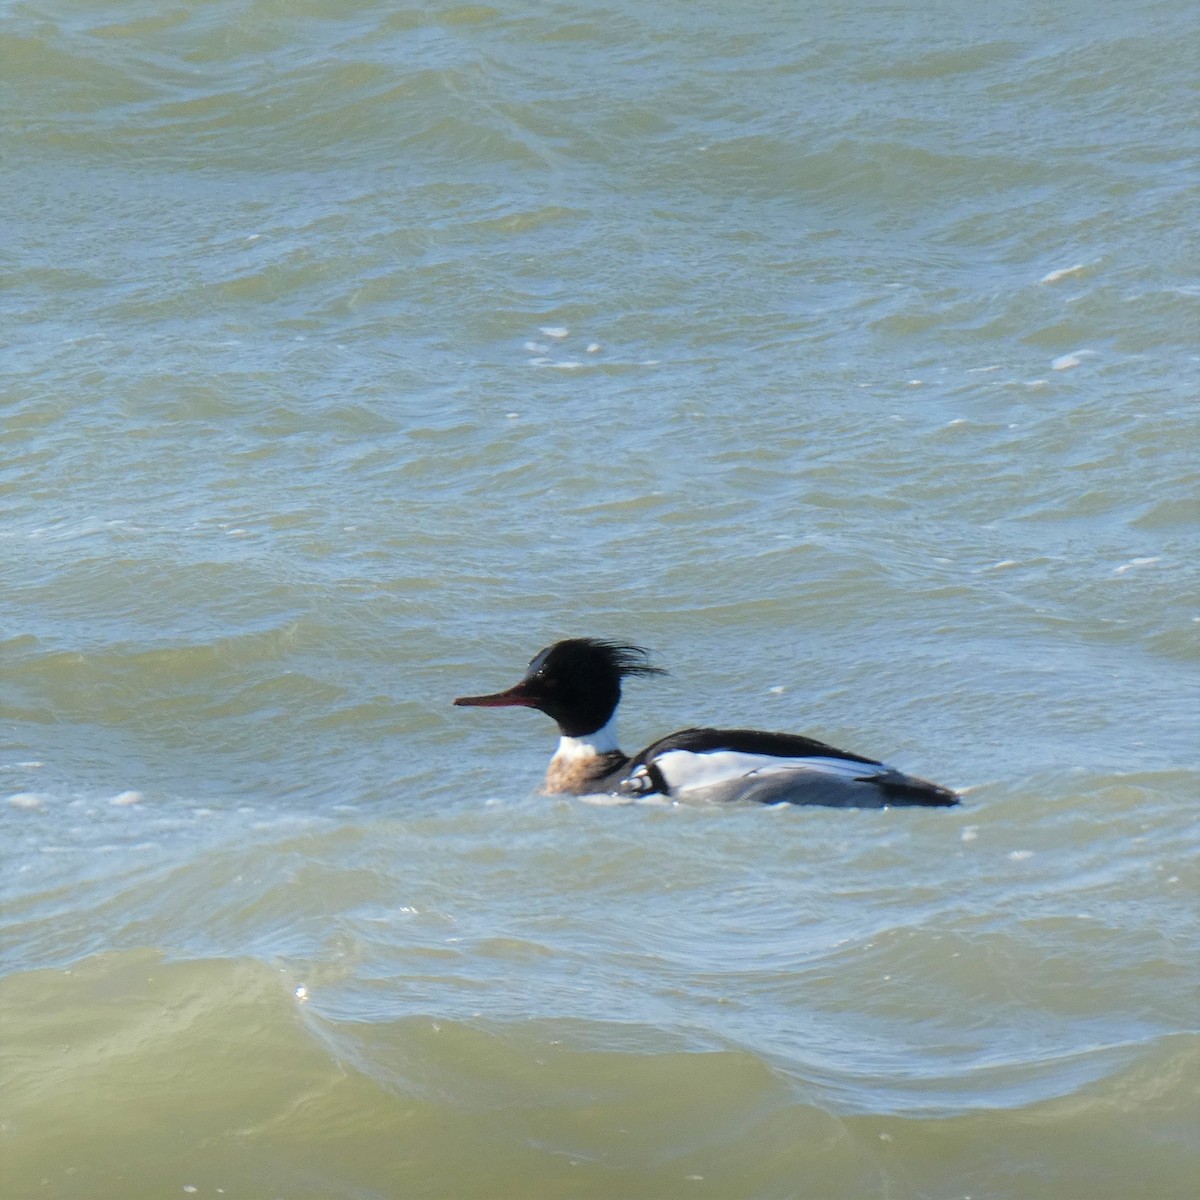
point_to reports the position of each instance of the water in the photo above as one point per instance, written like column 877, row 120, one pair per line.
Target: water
column 351, row 353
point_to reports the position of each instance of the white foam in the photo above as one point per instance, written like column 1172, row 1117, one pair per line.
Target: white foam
column 1062, row 273
column 1065, row 362
column 1136, row 562
column 125, row 799
column 558, row 332
column 26, row 800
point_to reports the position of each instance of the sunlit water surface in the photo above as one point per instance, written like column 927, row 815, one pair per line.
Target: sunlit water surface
column 844, row 356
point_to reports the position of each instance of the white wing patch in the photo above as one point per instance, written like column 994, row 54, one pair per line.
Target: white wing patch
column 686, row 771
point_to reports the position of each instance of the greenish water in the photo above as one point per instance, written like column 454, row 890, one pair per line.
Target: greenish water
column 351, row 353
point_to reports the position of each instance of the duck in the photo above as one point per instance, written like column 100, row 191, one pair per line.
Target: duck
column 577, row 683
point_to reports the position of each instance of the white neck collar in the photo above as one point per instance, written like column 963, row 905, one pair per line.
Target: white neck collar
column 603, row 741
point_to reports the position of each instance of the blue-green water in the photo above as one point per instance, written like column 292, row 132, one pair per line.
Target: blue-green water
column 846, row 356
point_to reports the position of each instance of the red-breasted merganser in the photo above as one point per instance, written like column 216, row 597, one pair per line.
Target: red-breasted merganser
column 578, row 684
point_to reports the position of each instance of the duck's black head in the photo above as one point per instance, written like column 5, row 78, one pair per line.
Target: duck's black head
column 577, row 682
